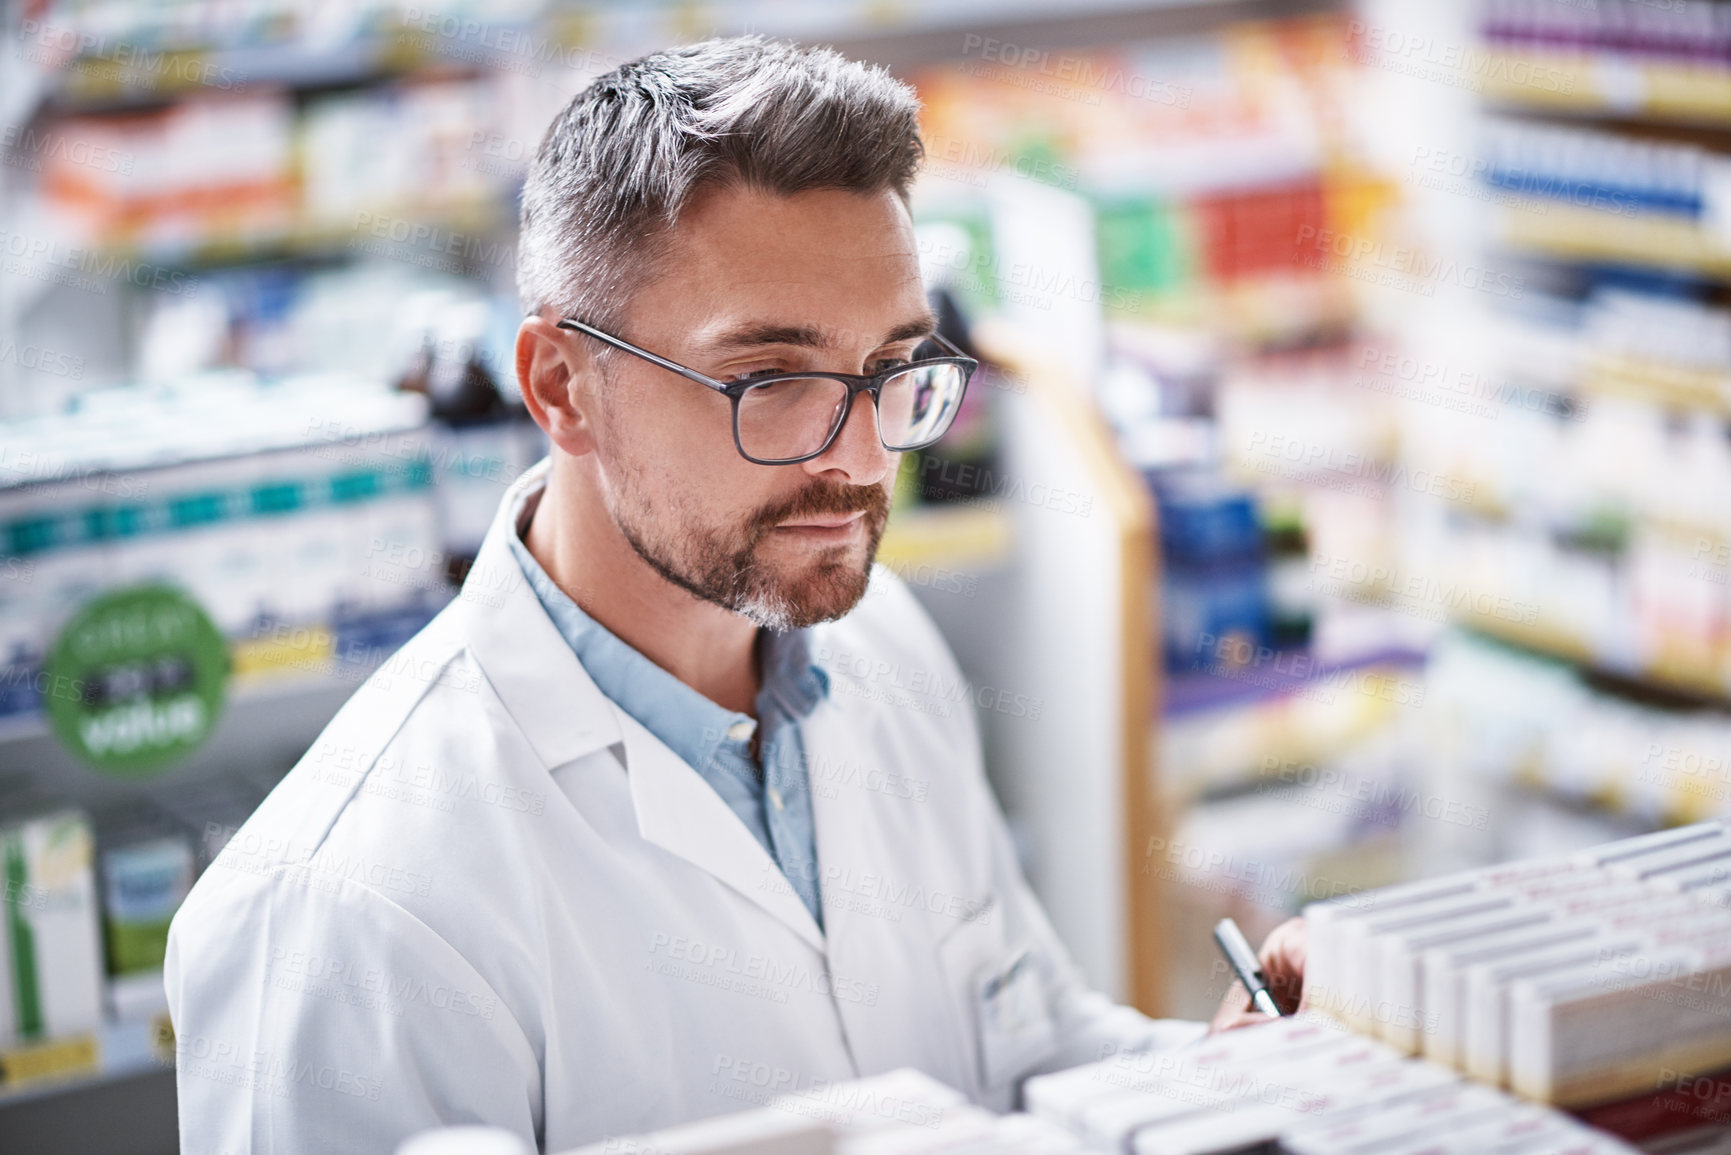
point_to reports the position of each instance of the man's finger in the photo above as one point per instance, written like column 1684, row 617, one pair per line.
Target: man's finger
column 1282, row 957
column 1231, row 1010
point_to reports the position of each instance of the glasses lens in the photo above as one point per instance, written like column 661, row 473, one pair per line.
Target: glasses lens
column 917, row 407
column 790, row 418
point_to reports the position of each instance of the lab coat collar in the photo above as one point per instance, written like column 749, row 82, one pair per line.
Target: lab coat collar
column 681, row 813
column 565, row 716
column 560, row 710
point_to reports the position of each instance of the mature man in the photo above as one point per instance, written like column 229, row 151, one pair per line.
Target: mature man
column 570, row 876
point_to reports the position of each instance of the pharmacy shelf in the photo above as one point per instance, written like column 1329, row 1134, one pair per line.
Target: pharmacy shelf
column 1561, row 231
column 475, row 227
column 1609, row 86
column 118, row 1050
column 121, row 74
column 304, row 664
column 1670, row 386
column 1219, row 731
column 459, row 223
column 963, row 535
column 1275, row 675
column 139, row 67
column 1678, row 681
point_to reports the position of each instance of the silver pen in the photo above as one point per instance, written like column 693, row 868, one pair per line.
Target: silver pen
column 1248, row 967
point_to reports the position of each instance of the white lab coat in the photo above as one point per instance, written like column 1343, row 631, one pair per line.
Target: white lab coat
column 487, row 894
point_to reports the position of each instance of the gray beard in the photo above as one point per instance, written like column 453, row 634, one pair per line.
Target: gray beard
column 730, row 575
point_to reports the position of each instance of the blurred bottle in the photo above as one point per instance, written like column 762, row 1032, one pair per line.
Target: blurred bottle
column 482, row 442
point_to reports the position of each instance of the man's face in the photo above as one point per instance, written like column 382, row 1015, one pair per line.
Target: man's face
column 757, row 283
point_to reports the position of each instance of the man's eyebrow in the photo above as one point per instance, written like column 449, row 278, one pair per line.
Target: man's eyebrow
column 751, row 336
column 810, row 336
column 919, row 327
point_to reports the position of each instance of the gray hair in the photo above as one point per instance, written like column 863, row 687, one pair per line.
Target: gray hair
column 619, row 164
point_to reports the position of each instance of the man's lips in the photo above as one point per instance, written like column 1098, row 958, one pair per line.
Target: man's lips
column 824, row 521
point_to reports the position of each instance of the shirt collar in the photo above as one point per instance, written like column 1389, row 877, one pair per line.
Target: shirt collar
column 687, row 722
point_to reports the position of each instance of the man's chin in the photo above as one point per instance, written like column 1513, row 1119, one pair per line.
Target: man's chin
column 816, row 592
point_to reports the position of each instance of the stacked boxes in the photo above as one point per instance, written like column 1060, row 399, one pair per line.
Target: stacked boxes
column 1575, row 980
column 1302, row 1086
column 300, row 515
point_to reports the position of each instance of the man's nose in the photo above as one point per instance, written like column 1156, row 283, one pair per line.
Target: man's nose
column 858, row 452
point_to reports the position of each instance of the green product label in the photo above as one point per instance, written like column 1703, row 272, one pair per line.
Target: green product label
column 26, row 992
column 135, row 681
column 134, row 947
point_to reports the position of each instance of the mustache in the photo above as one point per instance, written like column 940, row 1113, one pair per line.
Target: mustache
column 871, row 500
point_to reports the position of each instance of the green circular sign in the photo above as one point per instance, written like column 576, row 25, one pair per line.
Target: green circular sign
column 135, row 680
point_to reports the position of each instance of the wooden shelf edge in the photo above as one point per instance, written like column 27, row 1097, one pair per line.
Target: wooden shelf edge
column 1125, row 497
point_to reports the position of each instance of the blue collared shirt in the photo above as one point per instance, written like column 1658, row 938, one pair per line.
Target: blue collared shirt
column 774, row 804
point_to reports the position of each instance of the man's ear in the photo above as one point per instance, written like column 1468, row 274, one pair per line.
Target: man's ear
column 558, row 379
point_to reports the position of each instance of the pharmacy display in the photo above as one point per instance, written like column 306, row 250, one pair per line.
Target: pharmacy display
column 1565, row 1005
column 51, row 967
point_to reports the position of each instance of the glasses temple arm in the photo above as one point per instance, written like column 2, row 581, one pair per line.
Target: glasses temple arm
column 652, row 358
column 950, row 346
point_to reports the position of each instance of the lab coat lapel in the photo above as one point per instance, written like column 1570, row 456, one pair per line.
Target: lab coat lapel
column 859, row 838
column 560, row 709
column 565, row 715
column 681, row 813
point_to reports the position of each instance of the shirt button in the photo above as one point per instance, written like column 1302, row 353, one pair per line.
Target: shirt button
column 775, row 797
column 740, row 731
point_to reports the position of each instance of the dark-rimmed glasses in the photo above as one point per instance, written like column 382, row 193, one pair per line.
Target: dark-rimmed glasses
column 786, row 418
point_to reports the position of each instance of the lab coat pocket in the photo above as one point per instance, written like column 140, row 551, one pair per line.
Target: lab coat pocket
column 1000, row 986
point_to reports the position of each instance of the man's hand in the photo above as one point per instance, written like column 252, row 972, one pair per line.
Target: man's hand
column 1282, row 956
